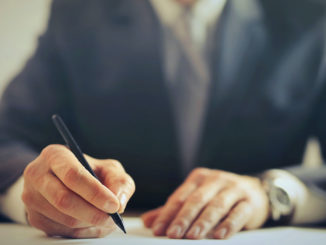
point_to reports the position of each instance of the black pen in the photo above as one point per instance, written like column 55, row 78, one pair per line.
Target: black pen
column 72, row 144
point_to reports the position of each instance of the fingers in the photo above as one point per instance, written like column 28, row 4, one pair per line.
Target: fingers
column 208, row 199
column 67, row 202
column 73, row 175
column 52, row 228
column 177, row 200
column 41, row 222
column 149, row 217
column 192, row 208
column 60, row 195
column 42, row 206
column 214, row 212
column 235, row 221
column 94, row 232
column 113, row 176
column 122, row 186
column 172, row 207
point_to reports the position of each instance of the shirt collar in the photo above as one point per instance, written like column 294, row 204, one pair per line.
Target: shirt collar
column 205, row 10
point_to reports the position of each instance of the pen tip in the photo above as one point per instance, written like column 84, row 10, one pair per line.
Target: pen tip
column 123, row 229
column 121, row 226
column 118, row 220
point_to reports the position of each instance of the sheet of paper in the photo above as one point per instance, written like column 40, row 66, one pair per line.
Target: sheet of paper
column 13, row 234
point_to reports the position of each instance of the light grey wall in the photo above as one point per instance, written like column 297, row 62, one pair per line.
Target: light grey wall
column 21, row 22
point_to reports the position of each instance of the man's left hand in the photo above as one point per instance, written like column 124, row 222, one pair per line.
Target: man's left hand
column 210, row 202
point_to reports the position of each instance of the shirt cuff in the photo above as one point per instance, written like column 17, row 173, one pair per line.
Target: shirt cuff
column 11, row 204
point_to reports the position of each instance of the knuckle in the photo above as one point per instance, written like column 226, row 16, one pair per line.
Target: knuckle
column 196, row 197
column 26, row 198
column 255, row 181
column 96, row 193
column 176, row 201
column 208, row 217
column 72, row 222
column 115, row 164
column 72, row 176
column 131, row 182
column 42, row 182
column 220, row 205
column 29, row 172
column 98, row 219
column 217, row 174
column 122, row 181
column 182, row 221
column 199, row 172
column 63, row 200
column 50, row 153
column 127, row 182
column 234, row 185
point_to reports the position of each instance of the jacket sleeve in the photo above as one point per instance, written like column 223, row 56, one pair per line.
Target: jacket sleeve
column 309, row 183
column 317, row 175
column 27, row 105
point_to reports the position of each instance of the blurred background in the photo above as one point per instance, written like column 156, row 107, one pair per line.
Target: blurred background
column 21, row 22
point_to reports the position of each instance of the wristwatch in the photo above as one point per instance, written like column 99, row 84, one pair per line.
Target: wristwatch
column 281, row 199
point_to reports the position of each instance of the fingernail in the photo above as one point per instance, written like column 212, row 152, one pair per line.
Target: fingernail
column 158, row 228
column 175, row 231
column 194, row 232
column 222, row 233
column 123, row 200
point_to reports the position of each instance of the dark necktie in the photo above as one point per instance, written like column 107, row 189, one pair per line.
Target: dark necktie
column 189, row 91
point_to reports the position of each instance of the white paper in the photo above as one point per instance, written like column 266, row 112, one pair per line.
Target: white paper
column 13, row 234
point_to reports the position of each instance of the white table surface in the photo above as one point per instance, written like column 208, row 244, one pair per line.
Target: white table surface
column 12, row 234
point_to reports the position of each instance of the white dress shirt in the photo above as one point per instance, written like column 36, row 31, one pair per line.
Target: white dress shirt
column 11, row 204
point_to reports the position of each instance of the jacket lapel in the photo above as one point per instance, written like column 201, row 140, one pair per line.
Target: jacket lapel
column 240, row 42
column 138, row 25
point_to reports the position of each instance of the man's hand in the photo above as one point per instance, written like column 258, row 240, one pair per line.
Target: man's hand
column 63, row 199
column 210, row 202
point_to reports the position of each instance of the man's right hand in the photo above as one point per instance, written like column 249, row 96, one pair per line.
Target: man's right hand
column 63, row 199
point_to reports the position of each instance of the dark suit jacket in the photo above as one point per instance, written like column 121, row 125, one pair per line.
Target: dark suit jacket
column 99, row 65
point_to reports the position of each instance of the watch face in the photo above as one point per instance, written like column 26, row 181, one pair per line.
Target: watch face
column 282, row 196
column 281, row 200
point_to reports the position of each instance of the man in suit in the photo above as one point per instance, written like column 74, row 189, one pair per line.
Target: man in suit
column 211, row 91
